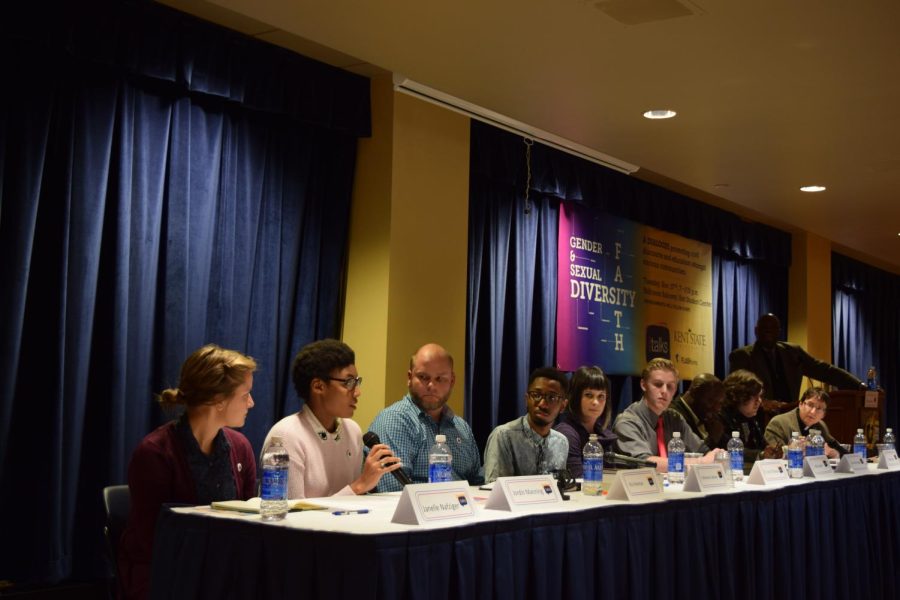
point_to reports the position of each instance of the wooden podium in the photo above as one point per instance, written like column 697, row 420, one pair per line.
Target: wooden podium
column 849, row 410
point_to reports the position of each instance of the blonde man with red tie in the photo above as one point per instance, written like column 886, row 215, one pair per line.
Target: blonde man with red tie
column 645, row 428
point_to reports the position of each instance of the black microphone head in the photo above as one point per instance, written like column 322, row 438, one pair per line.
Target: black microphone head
column 370, row 439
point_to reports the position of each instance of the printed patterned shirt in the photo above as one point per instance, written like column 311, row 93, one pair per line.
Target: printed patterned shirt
column 516, row 449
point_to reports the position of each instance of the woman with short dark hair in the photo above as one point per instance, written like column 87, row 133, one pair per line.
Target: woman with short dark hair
column 589, row 411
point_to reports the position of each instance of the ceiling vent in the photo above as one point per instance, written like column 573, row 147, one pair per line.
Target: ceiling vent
column 638, row 12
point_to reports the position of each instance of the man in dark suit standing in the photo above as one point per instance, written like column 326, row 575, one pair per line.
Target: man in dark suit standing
column 781, row 366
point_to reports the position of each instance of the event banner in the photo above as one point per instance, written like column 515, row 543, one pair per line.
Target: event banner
column 627, row 293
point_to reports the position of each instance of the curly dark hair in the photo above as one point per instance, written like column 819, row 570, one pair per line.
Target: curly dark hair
column 740, row 386
column 316, row 361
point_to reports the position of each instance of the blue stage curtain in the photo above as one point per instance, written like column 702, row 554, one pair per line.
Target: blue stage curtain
column 866, row 325
column 146, row 211
column 511, row 308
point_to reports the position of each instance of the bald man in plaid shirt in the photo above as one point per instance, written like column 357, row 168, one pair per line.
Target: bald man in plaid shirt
column 410, row 425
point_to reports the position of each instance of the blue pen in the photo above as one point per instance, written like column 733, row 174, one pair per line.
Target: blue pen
column 361, row 511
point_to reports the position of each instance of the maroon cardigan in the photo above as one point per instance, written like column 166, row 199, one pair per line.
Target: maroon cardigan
column 159, row 473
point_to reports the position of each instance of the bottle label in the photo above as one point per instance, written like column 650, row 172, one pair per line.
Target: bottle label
column 737, row 461
column 593, row 469
column 859, row 449
column 274, row 483
column 438, row 472
column 676, row 462
column 795, row 459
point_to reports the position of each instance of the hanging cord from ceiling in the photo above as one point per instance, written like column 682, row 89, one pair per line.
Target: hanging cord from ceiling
column 528, row 144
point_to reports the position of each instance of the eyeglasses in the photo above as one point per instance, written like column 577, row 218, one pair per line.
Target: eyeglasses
column 351, row 383
column 548, row 397
column 813, row 408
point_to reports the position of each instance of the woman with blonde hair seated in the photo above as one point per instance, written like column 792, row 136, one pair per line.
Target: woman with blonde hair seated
column 196, row 459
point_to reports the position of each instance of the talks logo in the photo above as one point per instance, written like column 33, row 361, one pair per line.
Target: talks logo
column 657, row 342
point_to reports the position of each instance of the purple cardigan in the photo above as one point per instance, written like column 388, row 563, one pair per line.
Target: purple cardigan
column 577, row 435
column 159, row 473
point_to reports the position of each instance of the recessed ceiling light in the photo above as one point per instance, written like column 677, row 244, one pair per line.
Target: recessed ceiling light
column 813, row 188
column 660, row 114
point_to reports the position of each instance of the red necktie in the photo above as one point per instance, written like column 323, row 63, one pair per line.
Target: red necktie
column 661, row 438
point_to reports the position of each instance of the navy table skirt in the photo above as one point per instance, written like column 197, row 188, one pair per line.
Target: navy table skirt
column 835, row 539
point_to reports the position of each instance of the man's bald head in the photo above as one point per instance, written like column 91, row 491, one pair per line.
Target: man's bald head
column 430, row 378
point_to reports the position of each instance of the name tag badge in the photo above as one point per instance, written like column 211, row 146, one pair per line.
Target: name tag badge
column 817, row 467
column 888, row 460
column 768, row 471
column 852, row 463
column 523, row 493
column 636, row 485
column 434, row 504
column 707, row 478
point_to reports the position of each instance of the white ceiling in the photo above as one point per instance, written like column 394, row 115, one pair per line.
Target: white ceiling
column 770, row 94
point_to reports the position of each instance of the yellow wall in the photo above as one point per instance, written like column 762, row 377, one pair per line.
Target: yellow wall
column 406, row 281
column 408, row 244
column 809, row 299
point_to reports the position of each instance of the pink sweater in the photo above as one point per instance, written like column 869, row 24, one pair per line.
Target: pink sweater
column 319, row 468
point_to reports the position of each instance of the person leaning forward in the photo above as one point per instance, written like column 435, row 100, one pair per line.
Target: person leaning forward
column 781, row 366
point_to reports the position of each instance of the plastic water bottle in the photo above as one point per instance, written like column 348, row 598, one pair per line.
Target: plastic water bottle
column 795, row 456
column 890, row 442
column 872, row 378
column 859, row 443
column 440, row 461
column 723, row 459
column 273, row 495
column 675, row 451
column 815, row 445
column 736, row 451
column 592, row 465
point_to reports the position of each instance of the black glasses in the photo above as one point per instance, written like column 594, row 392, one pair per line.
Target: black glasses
column 548, row 397
column 351, row 383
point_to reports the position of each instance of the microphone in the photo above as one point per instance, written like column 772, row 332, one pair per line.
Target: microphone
column 370, row 439
column 626, row 462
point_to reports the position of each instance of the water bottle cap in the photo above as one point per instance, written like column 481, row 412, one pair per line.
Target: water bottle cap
column 440, row 438
column 735, row 434
column 275, row 440
column 593, row 437
column 859, row 431
column 676, row 434
column 889, row 430
column 795, row 434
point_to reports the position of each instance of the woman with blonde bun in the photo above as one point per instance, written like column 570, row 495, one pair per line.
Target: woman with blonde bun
column 196, row 459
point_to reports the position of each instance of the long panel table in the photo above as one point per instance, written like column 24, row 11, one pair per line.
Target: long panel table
column 805, row 539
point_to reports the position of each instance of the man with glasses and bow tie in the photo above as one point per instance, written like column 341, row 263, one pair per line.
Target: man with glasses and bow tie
column 410, row 425
column 808, row 415
column 529, row 445
column 645, row 428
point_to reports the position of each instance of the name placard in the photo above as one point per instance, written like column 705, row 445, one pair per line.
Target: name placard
column 434, row 503
column 522, row 493
column 768, row 471
column 852, row 463
column 888, row 460
column 639, row 484
column 817, row 467
column 707, row 478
